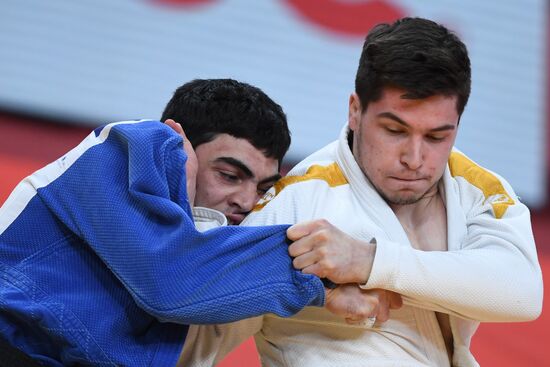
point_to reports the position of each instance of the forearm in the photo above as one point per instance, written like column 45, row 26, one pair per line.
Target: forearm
column 223, row 275
column 476, row 284
column 134, row 213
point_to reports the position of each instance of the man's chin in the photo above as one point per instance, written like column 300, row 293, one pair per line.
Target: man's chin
column 403, row 198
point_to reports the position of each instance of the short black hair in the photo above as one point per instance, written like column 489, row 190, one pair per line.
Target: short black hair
column 418, row 55
column 208, row 107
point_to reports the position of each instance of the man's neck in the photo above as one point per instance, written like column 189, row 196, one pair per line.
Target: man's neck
column 418, row 213
column 425, row 221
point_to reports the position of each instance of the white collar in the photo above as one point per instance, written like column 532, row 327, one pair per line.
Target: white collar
column 206, row 218
column 371, row 201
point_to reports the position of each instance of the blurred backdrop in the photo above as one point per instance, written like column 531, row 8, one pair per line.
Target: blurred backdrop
column 67, row 66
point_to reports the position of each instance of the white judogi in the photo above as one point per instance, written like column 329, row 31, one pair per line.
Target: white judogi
column 489, row 273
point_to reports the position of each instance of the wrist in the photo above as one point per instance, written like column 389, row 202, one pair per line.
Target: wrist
column 366, row 261
column 328, row 294
column 328, row 284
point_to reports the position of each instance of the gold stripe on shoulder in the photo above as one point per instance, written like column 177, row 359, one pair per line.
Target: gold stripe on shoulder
column 484, row 180
column 331, row 174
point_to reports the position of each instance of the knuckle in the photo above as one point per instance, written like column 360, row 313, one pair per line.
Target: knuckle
column 323, row 222
column 321, row 236
column 330, row 265
column 324, row 235
column 326, row 265
column 323, row 251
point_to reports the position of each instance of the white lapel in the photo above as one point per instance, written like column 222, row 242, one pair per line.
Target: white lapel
column 369, row 199
column 456, row 219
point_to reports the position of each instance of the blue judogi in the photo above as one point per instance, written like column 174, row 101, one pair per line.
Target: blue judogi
column 100, row 262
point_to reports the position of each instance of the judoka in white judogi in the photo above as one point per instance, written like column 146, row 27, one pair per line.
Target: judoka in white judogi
column 489, row 272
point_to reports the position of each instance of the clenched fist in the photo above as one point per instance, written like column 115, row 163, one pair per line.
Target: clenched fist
column 322, row 249
column 355, row 304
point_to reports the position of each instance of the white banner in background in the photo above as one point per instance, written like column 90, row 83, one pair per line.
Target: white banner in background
column 104, row 60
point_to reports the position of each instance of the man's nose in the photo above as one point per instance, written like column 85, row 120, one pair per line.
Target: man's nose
column 245, row 198
column 412, row 154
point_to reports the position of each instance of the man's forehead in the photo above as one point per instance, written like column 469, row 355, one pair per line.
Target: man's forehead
column 394, row 102
column 241, row 154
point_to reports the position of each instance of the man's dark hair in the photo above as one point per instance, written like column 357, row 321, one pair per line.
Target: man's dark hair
column 208, row 107
column 418, row 55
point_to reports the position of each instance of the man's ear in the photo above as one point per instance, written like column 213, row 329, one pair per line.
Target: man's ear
column 176, row 127
column 354, row 111
column 192, row 163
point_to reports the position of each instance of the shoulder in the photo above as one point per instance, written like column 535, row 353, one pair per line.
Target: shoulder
column 308, row 189
column 141, row 139
column 304, row 181
column 134, row 130
column 480, row 185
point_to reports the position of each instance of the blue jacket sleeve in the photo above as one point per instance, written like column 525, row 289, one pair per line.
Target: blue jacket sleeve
column 126, row 198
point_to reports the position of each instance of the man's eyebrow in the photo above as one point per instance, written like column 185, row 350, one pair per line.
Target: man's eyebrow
column 244, row 168
column 444, row 128
column 236, row 163
column 397, row 119
column 391, row 116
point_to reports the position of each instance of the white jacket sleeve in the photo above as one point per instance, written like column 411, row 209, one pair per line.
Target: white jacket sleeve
column 494, row 276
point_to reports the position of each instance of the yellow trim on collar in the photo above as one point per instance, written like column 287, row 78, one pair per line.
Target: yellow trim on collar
column 331, row 174
column 484, row 180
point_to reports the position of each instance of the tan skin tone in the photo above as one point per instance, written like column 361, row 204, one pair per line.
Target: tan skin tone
column 233, row 175
column 227, row 174
column 402, row 146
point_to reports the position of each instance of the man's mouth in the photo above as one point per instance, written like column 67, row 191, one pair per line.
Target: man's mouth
column 235, row 218
column 408, row 179
column 408, row 182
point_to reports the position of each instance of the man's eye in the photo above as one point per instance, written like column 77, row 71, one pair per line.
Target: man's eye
column 436, row 138
column 394, row 131
column 229, row 177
